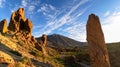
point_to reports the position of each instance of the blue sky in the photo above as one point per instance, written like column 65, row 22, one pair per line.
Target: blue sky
column 67, row 17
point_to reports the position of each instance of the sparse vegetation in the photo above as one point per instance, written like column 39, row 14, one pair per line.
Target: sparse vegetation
column 35, row 52
column 26, row 61
column 72, row 58
column 21, row 43
column 114, row 54
column 19, row 64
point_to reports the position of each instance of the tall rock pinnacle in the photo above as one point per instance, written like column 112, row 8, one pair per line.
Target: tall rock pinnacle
column 44, row 40
column 96, row 44
column 18, row 22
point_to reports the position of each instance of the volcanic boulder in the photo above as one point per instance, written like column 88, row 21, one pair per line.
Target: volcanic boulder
column 3, row 26
column 96, row 44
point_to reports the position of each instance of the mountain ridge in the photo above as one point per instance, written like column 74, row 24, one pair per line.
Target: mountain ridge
column 58, row 40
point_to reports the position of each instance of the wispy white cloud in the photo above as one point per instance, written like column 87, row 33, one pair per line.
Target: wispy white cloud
column 24, row 3
column 29, row 5
column 111, row 29
column 13, row 9
column 46, row 9
column 31, row 8
column 77, row 31
column 52, row 7
column 68, row 17
column 106, row 13
column 43, row 8
column 2, row 2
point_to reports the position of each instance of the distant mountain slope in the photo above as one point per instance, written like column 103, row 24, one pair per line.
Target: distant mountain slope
column 62, row 41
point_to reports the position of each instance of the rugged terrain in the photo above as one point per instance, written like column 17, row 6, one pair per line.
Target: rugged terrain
column 18, row 48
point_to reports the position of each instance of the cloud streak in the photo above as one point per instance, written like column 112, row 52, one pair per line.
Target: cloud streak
column 77, row 31
column 64, row 19
column 46, row 9
column 107, row 14
column 31, row 8
column 2, row 3
column 24, row 3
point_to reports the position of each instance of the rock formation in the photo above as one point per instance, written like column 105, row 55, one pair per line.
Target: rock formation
column 28, row 26
column 3, row 26
column 42, row 44
column 4, row 57
column 20, row 33
column 44, row 40
column 21, row 27
column 18, row 22
column 96, row 44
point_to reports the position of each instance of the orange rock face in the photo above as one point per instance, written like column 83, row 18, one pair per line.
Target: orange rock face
column 96, row 44
column 29, row 26
column 3, row 26
column 21, row 27
column 18, row 22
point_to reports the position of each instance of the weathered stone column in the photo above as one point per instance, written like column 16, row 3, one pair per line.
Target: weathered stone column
column 96, row 43
column 44, row 40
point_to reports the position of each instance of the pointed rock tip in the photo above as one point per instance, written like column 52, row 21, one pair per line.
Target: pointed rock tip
column 4, row 20
column 20, row 9
column 92, row 15
column 21, row 12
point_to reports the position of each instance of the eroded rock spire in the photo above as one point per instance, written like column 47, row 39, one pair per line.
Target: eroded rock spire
column 44, row 40
column 18, row 22
column 96, row 43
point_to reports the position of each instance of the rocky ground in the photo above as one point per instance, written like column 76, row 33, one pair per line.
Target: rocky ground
column 18, row 48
